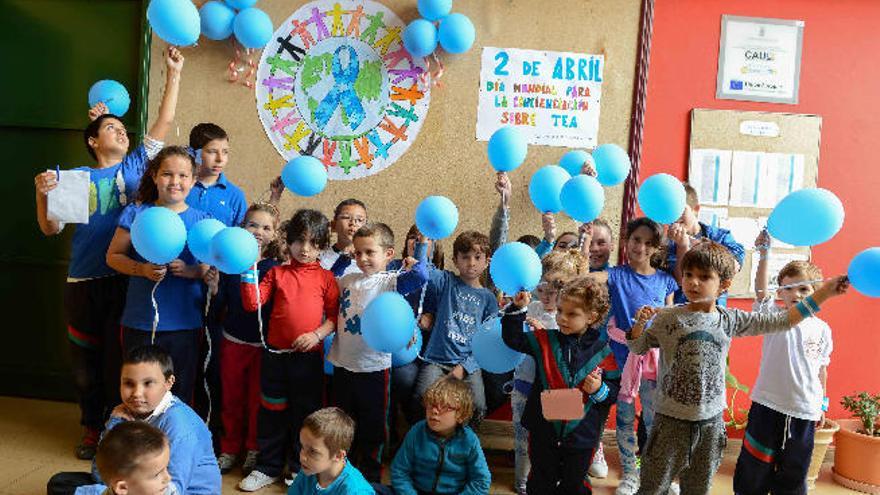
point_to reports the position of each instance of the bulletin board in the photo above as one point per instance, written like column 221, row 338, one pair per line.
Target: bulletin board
column 446, row 158
column 787, row 143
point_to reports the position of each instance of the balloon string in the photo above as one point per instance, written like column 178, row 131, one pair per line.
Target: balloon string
column 260, row 318
column 208, row 357
column 155, row 311
column 430, row 78
column 241, row 68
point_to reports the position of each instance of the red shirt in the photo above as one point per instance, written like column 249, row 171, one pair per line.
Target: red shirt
column 303, row 295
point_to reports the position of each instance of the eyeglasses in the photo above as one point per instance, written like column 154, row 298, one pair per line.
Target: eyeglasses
column 354, row 220
column 441, row 408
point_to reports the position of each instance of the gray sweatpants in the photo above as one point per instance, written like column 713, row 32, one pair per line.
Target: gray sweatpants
column 688, row 450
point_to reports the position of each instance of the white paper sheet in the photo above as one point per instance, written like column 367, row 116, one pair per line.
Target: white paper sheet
column 709, row 174
column 69, row 202
column 744, row 230
column 712, row 216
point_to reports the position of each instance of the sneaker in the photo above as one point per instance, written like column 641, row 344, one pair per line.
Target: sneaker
column 629, row 484
column 674, row 489
column 226, row 462
column 599, row 468
column 288, row 478
column 250, row 460
column 255, row 481
column 88, row 445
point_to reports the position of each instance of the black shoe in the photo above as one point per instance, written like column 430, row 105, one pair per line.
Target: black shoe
column 88, row 445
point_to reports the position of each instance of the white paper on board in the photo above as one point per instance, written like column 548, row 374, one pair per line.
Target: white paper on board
column 712, row 216
column 69, row 202
column 709, row 174
column 744, row 230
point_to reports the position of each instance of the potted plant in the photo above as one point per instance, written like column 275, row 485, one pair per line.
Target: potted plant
column 857, row 452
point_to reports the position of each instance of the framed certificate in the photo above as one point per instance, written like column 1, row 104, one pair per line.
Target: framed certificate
column 759, row 59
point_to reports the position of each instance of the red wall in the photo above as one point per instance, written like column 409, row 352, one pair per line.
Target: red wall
column 840, row 79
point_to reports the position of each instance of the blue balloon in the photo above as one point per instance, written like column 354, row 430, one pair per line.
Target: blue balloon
column 234, row 250
column 388, row 322
column 806, row 217
column 175, row 21
column 434, row 10
column 573, row 161
column 582, row 198
column 490, row 351
column 217, row 18
column 328, row 343
column 456, row 33
column 515, row 267
column 112, row 94
column 420, row 38
column 158, row 234
column 304, row 175
column 507, row 148
column 198, row 239
column 864, row 272
column 407, row 354
column 253, row 28
column 241, row 4
column 662, row 198
column 612, row 164
column 545, row 186
column 436, row 217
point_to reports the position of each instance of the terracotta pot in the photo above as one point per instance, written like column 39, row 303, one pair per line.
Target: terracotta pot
column 821, row 441
column 856, row 458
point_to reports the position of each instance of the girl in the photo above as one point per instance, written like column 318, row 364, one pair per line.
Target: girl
column 180, row 295
column 241, row 346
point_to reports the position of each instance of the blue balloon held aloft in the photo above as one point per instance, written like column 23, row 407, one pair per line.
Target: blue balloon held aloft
column 217, row 19
column 158, row 234
column 515, row 267
column 420, row 38
column 241, row 4
column 252, row 28
column 112, row 94
column 436, row 217
column 612, row 164
column 545, row 186
column 582, row 198
column 662, row 198
column 490, row 351
column 198, row 239
column 304, row 175
column 234, row 250
column 407, row 355
column 573, row 161
column 175, row 21
column 864, row 272
column 806, row 217
column 388, row 322
column 434, row 10
column 507, row 148
column 456, row 33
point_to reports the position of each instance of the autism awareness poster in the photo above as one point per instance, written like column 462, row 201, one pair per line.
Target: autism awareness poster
column 553, row 97
column 335, row 82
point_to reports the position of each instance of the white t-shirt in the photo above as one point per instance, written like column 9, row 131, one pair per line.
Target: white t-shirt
column 788, row 381
column 327, row 258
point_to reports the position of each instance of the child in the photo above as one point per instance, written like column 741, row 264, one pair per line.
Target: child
column 361, row 374
column 441, row 455
column 787, row 398
column 574, row 361
column 558, row 268
column 688, row 437
column 213, row 192
column 180, row 295
column 146, row 379
column 600, row 243
column 550, row 242
column 94, row 294
column 326, row 436
column 687, row 231
column 631, row 286
column 240, row 347
column 305, row 305
column 348, row 217
column 133, row 460
column 462, row 305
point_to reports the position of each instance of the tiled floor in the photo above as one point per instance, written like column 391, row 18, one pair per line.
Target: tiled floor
column 37, row 439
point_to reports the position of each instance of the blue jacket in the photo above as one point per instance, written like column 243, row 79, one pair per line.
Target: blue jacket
column 717, row 234
column 427, row 463
column 349, row 482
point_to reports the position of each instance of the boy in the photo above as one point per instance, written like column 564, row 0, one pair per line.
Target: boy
column 361, row 374
column 687, row 231
column 133, row 460
column 94, row 295
column 688, row 437
column 440, row 455
column 787, row 399
column 348, row 217
column 462, row 305
column 213, row 192
column 326, row 436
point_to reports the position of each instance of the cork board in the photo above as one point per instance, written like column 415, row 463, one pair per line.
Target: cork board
column 797, row 133
column 446, row 158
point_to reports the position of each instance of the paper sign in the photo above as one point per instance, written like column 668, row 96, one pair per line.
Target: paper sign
column 710, row 175
column 744, row 230
column 759, row 128
column 712, row 216
column 69, row 202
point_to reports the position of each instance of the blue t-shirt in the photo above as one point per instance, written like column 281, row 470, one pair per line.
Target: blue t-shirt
column 461, row 309
column 719, row 235
column 110, row 189
column 223, row 200
column 349, row 482
column 180, row 300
